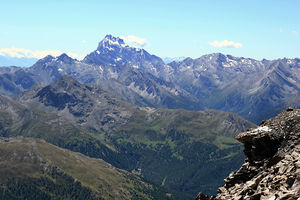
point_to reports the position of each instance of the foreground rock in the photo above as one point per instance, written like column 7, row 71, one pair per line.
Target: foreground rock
column 272, row 167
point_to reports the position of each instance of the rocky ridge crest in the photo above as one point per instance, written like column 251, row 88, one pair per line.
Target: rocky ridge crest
column 272, row 167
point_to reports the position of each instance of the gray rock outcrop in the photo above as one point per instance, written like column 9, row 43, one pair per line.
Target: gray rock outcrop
column 272, row 167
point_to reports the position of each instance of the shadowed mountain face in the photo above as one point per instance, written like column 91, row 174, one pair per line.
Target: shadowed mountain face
column 90, row 107
column 167, row 147
column 253, row 89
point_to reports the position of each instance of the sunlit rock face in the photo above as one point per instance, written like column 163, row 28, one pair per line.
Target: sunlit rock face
column 272, row 167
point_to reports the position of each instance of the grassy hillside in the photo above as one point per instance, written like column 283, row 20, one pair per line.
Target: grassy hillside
column 184, row 151
column 18, row 120
column 181, row 150
column 33, row 169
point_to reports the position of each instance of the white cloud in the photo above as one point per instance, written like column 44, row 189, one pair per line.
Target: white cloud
column 134, row 40
column 226, row 43
column 83, row 41
column 27, row 53
column 296, row 32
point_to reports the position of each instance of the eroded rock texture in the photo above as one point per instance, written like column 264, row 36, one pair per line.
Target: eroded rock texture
column 272, row 167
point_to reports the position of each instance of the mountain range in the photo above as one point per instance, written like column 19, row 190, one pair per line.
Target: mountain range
column 173, row 125
column 253, row 89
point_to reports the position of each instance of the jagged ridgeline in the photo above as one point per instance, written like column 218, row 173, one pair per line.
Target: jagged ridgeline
column 175, row 149
column 251, row 88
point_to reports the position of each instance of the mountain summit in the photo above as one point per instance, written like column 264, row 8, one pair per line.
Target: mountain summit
column 113, row 51
column 110, row 41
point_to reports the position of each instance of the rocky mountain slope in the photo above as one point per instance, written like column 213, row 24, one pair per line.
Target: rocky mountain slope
column 126, row 79
column 253, row 89
column 172, row 148
column 87, row 106
column 18, row 119
column 272, row 167
column 113, row 51
column 33, row 169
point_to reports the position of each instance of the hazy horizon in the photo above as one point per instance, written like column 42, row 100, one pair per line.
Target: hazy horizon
column 251, row 29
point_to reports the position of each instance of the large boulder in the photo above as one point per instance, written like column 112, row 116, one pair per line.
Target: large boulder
column 272, row 167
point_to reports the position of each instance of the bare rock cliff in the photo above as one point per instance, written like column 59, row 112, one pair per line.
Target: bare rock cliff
column 272, row 167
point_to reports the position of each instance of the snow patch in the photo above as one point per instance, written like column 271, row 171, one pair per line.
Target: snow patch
column 230, row 63
column 260, row 130
column 109, row 48
column 290, row 62
column 246, row 61
column 253, row 90
column 115, row 42
column 173, row 90
column 264, row 128
column 143, row 93
column 110, row 41
column 113, row 74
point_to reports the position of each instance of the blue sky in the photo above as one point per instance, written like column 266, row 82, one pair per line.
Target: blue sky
column 248, row 28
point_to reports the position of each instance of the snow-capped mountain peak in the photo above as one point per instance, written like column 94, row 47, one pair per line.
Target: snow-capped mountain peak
column 115, row 52
column 110, row 41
